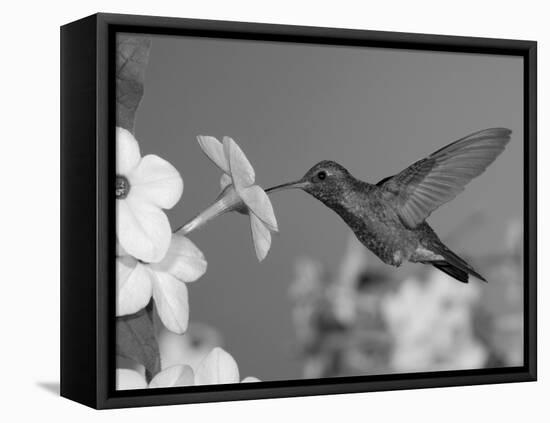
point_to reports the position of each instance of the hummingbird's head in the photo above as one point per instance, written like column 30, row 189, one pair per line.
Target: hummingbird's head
column 326, row 181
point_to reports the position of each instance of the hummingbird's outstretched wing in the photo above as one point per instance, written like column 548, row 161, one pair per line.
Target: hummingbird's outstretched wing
column 427, row 184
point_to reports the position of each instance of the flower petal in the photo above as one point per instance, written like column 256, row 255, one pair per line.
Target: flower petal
column 189, row 348
column 258, row 201
column 217, row 367
column 173, row 376
column 120, row 252
column 183, row 260
column 261, row 237
column 225, row 181
column 143, row 229
column 127, row 151
column 156, row 181
column 171, row 300
column 214, row 150
column 250, row 379
column 228, row 200
column 134, row 288
column 242, row 171
column 129, row 379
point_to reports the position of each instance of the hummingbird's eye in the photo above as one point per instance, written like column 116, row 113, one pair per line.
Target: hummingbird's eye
column 322, row 175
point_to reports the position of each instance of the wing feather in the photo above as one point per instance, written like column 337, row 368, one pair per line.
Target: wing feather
column 427, row 184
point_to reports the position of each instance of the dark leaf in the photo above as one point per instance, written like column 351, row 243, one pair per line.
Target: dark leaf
column 131, row 62
column 135, row 334
column 136, row 340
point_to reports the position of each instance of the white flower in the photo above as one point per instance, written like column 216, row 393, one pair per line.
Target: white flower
column 144, row 186
column 431, row 325
column 165, row 281
column 218, row 367
column 189, row 348
column 167, row 378
column 239, row 193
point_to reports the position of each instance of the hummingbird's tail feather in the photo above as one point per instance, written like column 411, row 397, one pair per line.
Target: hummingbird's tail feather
column 453, row 265
column 449, row 269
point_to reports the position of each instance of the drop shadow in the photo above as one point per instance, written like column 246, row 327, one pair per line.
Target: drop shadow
column 51, row 387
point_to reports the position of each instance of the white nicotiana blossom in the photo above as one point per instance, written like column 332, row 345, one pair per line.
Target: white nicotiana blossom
column 144, row 187
column 431, row 324
column 188, row 348
column 239, row 193
column 218, row 367
column 165, row 282
column 167, row 378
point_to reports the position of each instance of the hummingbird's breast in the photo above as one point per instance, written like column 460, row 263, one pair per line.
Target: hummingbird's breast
column 377, row 226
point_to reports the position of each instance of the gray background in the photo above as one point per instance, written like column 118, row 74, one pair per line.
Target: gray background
column 289, row 106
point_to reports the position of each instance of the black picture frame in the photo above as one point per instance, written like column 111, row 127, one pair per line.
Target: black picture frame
column 88, row 211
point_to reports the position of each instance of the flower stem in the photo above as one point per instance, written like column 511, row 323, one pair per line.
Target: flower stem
column 227, row 201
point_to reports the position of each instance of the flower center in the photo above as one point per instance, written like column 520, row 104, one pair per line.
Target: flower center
column 122, row 187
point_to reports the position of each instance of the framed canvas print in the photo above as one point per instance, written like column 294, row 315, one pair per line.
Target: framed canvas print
column 255, row 211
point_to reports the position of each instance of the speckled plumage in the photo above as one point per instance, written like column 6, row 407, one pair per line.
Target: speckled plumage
column 389, row 217
column 373, row 220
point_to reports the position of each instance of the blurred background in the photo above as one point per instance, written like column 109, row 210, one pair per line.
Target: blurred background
column 322, row 305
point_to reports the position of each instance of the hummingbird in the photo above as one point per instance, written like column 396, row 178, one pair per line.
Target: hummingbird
column 389, row 217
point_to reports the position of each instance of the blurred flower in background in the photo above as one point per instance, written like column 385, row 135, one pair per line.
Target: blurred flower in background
column 499, row 316
column 430, row 322
column 368, row 318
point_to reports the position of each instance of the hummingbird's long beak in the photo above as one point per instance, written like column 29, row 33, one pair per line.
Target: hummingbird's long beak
column 289, row 185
